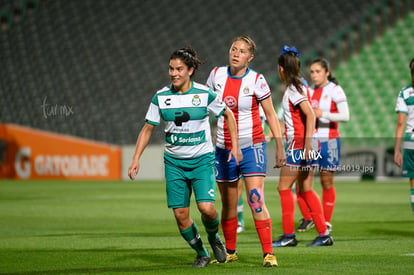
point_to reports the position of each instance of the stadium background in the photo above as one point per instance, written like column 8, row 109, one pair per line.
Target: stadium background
column 100, row 62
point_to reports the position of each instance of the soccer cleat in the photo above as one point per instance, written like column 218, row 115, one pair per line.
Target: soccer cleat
column 201, row 261
column 229, row 258
column 219, row 250
column 269, row 260
column 329, row 227
column 285, row 241
column 232, row 257
column 323, row 240
column 240, row 227
column 305, row 225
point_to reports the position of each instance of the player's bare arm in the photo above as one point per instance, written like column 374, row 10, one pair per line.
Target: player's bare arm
column 232, row 126
column 274, row 126
column 142, row 142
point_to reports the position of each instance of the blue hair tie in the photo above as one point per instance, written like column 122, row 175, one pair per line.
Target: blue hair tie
column 287, row 49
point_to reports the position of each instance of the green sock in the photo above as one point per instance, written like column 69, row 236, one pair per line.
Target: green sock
column 412, row 199
column 240, row 211
column 192, row 236
column 212, row 229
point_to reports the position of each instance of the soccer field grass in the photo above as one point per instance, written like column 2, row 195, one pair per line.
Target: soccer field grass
column 79, row 227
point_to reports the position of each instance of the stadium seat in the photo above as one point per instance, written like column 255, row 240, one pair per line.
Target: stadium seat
column 107, row 58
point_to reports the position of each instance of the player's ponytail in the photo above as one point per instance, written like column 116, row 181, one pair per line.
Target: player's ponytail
column 290, row 62
column 189, row 57
column 325, row 64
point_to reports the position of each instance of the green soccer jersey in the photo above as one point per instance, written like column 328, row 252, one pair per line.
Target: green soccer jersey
column 405, row 104
column 187, row 130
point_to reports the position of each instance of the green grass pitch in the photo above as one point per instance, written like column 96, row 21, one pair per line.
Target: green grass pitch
column 81, row 227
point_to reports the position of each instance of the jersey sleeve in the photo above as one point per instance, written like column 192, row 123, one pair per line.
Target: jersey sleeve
column 153, row 114
column 338, row 95
column 215, row 104
column 262, row 88
column 295, row 97
column 210, row 79
column 401, row 106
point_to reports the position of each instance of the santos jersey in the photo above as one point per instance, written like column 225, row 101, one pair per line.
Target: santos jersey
column 242, row 95
column 327, row 98
column 295, row 120
column 405, row 104
column 187, row 130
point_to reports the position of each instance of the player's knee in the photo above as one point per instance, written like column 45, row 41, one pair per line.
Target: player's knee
column 256, row 200
column 207, row 209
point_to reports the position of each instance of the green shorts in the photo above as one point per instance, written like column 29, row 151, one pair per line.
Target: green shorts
column 408, row 164
column 186, row 175
column 408, row 156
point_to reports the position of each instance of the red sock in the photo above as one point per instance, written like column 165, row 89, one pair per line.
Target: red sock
column 287, row 201
column 315, row 206
column 328, row 202
column 264, row 230
column 230, row 232
column 304, row 209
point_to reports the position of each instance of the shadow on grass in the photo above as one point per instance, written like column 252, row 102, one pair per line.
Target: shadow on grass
column 154, row 262
column 121, row 270
column 388, row 228
column 111, row 235
column 409, row 233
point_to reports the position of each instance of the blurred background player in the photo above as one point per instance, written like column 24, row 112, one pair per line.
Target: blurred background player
column 301, row 154
column 330, row 106
column 189, row 152
column 243, row 90
column 405, row 110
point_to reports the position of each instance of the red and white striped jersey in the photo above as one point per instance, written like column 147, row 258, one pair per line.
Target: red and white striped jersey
column 295, row 120
column 242, row 95
column 327, row 98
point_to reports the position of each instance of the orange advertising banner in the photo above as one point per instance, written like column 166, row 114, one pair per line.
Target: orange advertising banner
column 27, row 153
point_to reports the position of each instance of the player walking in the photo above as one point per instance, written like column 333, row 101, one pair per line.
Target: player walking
column 243, row 90
column 189, row 152
column 405, row 110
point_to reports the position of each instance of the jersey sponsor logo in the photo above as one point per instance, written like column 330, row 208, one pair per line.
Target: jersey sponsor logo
column 186, row 139
column 167, row 102
column 211, row 193
column 230, row 101
column 181, row 117
column 196, row 100
column 246, row 90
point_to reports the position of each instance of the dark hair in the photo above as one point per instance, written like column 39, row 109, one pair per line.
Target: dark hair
column 291, row 69
column 248, row 40
column 188, row 56
column 412, row 72
column 325, row 64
